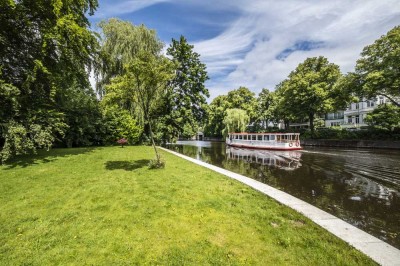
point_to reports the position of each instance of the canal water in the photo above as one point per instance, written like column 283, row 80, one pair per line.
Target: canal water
column 361, row 187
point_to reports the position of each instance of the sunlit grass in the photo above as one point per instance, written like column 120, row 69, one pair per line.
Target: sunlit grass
column 104, row 206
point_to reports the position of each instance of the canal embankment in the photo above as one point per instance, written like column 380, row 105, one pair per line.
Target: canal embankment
column 365, row 144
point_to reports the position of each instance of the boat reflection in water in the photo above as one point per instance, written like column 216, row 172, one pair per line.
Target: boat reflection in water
column 285, row 160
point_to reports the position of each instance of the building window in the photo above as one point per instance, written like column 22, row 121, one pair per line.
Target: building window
column 349, row 120
column 370, row 103
column 357, row 119
column 381, row 100
column 335, row 124
column 357, row 106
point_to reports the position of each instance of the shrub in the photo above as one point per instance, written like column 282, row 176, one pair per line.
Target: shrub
column 157, row 164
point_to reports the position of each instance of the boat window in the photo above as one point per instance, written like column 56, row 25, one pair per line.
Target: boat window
column 266, row 137
column 253, row 137
column 245, row 137
column 240, row 137
column 272, row 137
column 259, row 137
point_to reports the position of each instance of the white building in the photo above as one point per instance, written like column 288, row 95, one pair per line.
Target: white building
column 354, row 115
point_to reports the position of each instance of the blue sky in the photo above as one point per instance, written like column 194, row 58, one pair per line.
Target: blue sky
column 256, row 43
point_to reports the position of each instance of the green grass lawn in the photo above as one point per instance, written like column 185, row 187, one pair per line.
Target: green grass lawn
column 103, row 206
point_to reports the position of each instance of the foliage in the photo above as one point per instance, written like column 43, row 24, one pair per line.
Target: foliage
column 187, row 97
column 121, row 42
column 83, row 116
column 45, row 46
column 20, row 139
column 146, row 78
column 236, row 120
column 117, row 124
column 309, row 89
column 243, row 98
column 385, row 116
column 377, row 71
column 216, row 111
column 265, row 113
column 337, row 133
column 157, row 163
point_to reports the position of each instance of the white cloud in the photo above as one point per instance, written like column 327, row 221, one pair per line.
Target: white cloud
column 248, row 48
column 245, row 54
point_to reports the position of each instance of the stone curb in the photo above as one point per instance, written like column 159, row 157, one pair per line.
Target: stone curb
column 371, row 246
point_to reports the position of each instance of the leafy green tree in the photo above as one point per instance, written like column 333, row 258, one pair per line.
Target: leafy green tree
column 378, row 71
column 243, row 98
column 147, row 77
column 43, row 44
column 121, row 42
column 83, row 116
column 385, row 116
column 118, row 124
column 188, row 94
column 265, row 102
column 216, row 111
column 309, row 89
column 235, row 120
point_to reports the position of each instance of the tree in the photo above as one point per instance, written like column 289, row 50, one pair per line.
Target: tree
column 216, row 111
column 236, row 120
column 188, row 94
column 147, row 78
column 265, row 102
column 243, row 98
column 309, row 89
column 44, row 47
column 121, row 42
column 385, row 116
column 377, row 72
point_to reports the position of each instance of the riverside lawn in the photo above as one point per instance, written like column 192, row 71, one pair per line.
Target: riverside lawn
column 104, row 206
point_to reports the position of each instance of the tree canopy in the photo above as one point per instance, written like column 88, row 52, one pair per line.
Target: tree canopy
column 309, row 89
column 378, row 71
column 188, row 95
column 46, row 47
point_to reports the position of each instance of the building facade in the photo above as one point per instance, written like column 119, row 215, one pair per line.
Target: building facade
column 355, row 114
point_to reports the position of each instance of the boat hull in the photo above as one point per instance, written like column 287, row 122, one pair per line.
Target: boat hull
column 275, row 148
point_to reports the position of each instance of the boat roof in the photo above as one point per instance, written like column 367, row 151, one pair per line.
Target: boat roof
column 265, row 133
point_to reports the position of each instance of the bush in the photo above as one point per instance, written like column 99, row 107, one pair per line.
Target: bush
column 156, row 164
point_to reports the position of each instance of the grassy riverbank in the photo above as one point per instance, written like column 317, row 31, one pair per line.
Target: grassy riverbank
column 104, row 206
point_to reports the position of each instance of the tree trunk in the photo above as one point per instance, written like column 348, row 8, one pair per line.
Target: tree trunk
column 153, row 143
column 311, row 118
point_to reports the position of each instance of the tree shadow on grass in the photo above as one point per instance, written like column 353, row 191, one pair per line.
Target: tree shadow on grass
column 126, row 165
column 44, row 156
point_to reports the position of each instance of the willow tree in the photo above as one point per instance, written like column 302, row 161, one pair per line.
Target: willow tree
column 146, row 79
column 121, row 42
column 236, row 120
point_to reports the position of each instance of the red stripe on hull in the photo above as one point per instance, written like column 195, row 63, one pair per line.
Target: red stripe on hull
column 265, row 148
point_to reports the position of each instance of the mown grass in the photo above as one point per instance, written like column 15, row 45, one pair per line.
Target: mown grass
column 103, row 206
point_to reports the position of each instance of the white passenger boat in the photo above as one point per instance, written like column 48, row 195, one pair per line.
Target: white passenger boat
column 268, row 141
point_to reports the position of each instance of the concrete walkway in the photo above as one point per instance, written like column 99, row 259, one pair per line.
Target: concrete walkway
column 373, row 247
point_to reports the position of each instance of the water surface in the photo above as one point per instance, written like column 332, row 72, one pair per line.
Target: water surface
column 359, row 186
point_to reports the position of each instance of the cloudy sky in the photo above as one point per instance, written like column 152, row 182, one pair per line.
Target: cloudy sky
column 257, row 43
